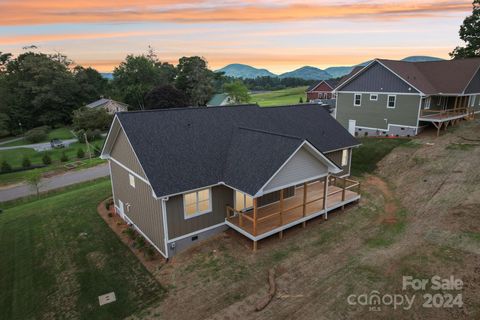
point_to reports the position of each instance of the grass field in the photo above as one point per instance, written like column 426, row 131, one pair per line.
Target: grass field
column 372, row 150
column 63, row 133
column 279, row 97
column 58, row 256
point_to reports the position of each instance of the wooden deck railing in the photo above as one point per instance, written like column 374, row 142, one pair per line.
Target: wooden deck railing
column 444, row 113
column 343, row 183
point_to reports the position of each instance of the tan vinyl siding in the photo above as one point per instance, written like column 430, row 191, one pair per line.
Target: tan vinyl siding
column 144, row 211
column 179, row 226
column 375, row 114
column 303, row 165
column 336, row 157
column 123, row 152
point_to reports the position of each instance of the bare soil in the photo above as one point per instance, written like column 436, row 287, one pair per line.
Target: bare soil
column 419, row 216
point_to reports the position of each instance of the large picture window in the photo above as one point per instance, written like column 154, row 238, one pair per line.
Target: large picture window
column 197, row 203
column 242, row 201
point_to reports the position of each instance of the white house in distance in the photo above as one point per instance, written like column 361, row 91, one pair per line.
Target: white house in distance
column 110, row 105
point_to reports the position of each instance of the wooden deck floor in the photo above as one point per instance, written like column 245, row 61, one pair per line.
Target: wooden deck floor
column 314, row 191
column 439, row 117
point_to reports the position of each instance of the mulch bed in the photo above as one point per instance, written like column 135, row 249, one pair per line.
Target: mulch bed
column 118, row 225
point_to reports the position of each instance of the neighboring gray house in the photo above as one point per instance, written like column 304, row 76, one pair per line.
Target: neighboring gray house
column 400, row 98
column 110, row 105
column 220, row 99
column 183, row 175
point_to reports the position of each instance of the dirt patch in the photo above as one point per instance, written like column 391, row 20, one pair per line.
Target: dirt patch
column 97, row 258
column 390, row 206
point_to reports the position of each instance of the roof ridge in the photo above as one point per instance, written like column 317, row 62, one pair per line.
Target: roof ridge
column 271, row 132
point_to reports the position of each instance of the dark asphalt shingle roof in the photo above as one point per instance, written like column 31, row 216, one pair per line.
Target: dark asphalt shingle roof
column 190, row 148
column 436, row 77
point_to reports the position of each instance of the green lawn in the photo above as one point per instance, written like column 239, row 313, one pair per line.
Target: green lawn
column 58, row 256
column 279, row 97
column 15, row 156
column 63, row 133
column 372, row 150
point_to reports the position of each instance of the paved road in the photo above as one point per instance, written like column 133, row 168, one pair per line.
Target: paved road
column 39, row 146
column 55, row 182
column 11, row 140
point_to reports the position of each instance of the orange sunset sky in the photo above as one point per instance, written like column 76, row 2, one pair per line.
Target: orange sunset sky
column 277, row 35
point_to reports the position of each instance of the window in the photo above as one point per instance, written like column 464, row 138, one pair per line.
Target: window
column 374, row 97
column 357, row 100
column 132, row 180
column 472, row 103
column 197, row 203
column 344, row 157
column 428, row 101
column 392, row 100
column 242, row 201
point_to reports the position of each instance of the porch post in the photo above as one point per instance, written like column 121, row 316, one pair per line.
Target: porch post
column 255, row 217
column 304, row 203
column 325, row 194
column 281, row 212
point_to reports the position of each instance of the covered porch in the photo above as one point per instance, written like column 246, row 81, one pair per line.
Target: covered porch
column 310, row 199
column 443, row 111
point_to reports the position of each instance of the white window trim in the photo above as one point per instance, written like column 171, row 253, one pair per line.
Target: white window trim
column 197, row 213
column 344, row 157
column 355, row 99
column 131, row 179
column 394, row 102
column 245, row 208
column 373, row 95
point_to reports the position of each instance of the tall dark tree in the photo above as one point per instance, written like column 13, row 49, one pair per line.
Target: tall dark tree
column 470, row 34
column 137, row 75
column 91, row 84
column 195, row 79
column 164, row 97
column 39, row 89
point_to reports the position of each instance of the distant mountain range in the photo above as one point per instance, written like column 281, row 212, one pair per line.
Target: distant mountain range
column 237, row 70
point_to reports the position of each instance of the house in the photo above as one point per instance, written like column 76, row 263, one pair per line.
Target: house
column 220, row 99
column 322, row 90
column 400, row 98
column 183, row 175
column 110, row 105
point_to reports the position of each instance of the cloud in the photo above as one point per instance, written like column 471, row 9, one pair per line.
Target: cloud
column 28, row 12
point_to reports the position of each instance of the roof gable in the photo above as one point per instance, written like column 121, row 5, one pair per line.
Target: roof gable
column 303, row 165
column 376, row 77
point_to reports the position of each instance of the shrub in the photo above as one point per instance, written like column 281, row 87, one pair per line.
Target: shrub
column 80, row 153
column 91, row 119
column 26, row 163
column 46, row 159
column 6, row 167
column 301, row 100
column 150, row 252
column 140, row 242
column 130, row 232
column 36, row 135
column 64, row 157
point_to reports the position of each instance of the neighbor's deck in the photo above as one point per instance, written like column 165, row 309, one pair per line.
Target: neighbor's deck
column 273, row 219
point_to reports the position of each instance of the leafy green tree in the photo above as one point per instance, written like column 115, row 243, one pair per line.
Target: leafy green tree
column 91, row 119
column 470, row 34
column 91, row 84
column 238, row 91
column 164, row 97
column 195, row 79
column 38, row 89
column 137, row 75
column 34, row 180
column 4, row 124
